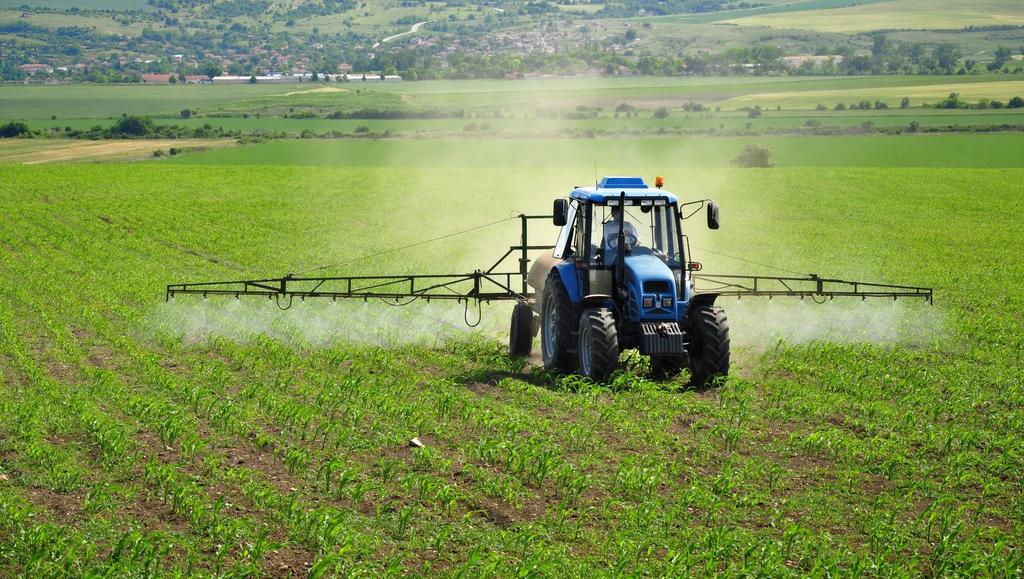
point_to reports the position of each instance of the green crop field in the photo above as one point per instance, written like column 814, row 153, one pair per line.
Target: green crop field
column 666, row 154
column 515, row 126
column 230, row 438
column 515, row 97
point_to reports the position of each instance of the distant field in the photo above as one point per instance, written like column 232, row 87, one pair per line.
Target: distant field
column 677, row 120
column 615, row 157
column 90, row 101
column 773, row 8
column 517, row 97
column 896, row 14
column 32, row 152
column 1003, row 91
column 340, row 98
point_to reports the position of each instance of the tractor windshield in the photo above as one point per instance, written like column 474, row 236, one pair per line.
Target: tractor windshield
column 648, row 230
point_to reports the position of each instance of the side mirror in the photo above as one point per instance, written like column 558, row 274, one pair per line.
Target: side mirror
column 713, row 222
column 560, row 211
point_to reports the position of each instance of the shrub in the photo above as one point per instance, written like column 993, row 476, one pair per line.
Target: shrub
column 1015, row 103
column 13, row 129
column 132, row 126
column 754, row 113
column 754, row 156
column 362, row 129
column 186, row 113
column 821, row 107
column 661, row 113
column 840, row 107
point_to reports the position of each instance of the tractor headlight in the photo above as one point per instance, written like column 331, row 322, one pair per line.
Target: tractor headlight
column 666, row 302
column 648, row 301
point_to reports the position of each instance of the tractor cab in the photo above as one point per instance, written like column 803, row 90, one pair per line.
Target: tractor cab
column 618, row 278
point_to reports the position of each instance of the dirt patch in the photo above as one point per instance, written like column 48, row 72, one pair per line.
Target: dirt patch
column 62, row 151
column 481, row 389
column 64, row 506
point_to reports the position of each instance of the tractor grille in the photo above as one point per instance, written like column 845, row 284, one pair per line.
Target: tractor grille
column 661, row 338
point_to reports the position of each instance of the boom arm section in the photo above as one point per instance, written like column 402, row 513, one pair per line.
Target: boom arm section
column 811, row 286
column 479, row 285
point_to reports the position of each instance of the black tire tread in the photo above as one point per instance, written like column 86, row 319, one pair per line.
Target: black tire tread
column 520, row 335
column 563, row 359
column 711, row 358
column 604, row 342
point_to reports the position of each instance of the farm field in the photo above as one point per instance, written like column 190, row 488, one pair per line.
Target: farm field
column 513, row 126
column 618, row 156
column 100, row 101
column 229, row 437
column 894, row 15
column 31, row 152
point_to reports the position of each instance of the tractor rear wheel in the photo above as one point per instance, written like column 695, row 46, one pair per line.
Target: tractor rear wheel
column 520, row 335
column 599, row 344
column 556, row 326
column 710, row 355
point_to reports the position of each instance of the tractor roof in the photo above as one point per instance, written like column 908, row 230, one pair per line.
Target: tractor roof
column 613, row 187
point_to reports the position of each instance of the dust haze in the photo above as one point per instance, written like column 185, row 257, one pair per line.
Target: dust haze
column 758, row 324
column 316, row 323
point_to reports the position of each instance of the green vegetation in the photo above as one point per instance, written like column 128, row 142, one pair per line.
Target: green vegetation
column 330, row 102
column 229, row 437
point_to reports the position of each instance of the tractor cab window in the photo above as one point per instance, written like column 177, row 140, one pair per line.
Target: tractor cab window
column 649, row 230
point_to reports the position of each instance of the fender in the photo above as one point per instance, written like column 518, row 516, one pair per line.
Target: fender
column 597, row 301
column 701, row 300
column 571, row 281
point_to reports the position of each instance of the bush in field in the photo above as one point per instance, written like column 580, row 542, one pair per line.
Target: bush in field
column 754, row 112
column 1015, row 103
column 905, row 103
column 821, row 107
column 952, row 102
column 132, row 126
column 754, row 156
column 186, row 113
column 661, row 113
column 13, row 129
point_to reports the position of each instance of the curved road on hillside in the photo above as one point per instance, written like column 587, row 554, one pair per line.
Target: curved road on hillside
column 412, row 30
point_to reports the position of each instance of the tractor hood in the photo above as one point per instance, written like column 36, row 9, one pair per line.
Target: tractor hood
column 649, row 277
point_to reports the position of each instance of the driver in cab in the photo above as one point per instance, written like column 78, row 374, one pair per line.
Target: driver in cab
column 610, row 237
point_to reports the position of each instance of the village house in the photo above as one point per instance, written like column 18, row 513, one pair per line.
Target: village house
column 36, row 68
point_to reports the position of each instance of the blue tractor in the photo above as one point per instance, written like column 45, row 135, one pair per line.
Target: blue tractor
column 619, row 278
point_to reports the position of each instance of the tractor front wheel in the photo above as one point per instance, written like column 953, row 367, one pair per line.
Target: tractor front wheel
column 556, row 326
column 710, row 355
column 599, row 344
column 520, row 335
